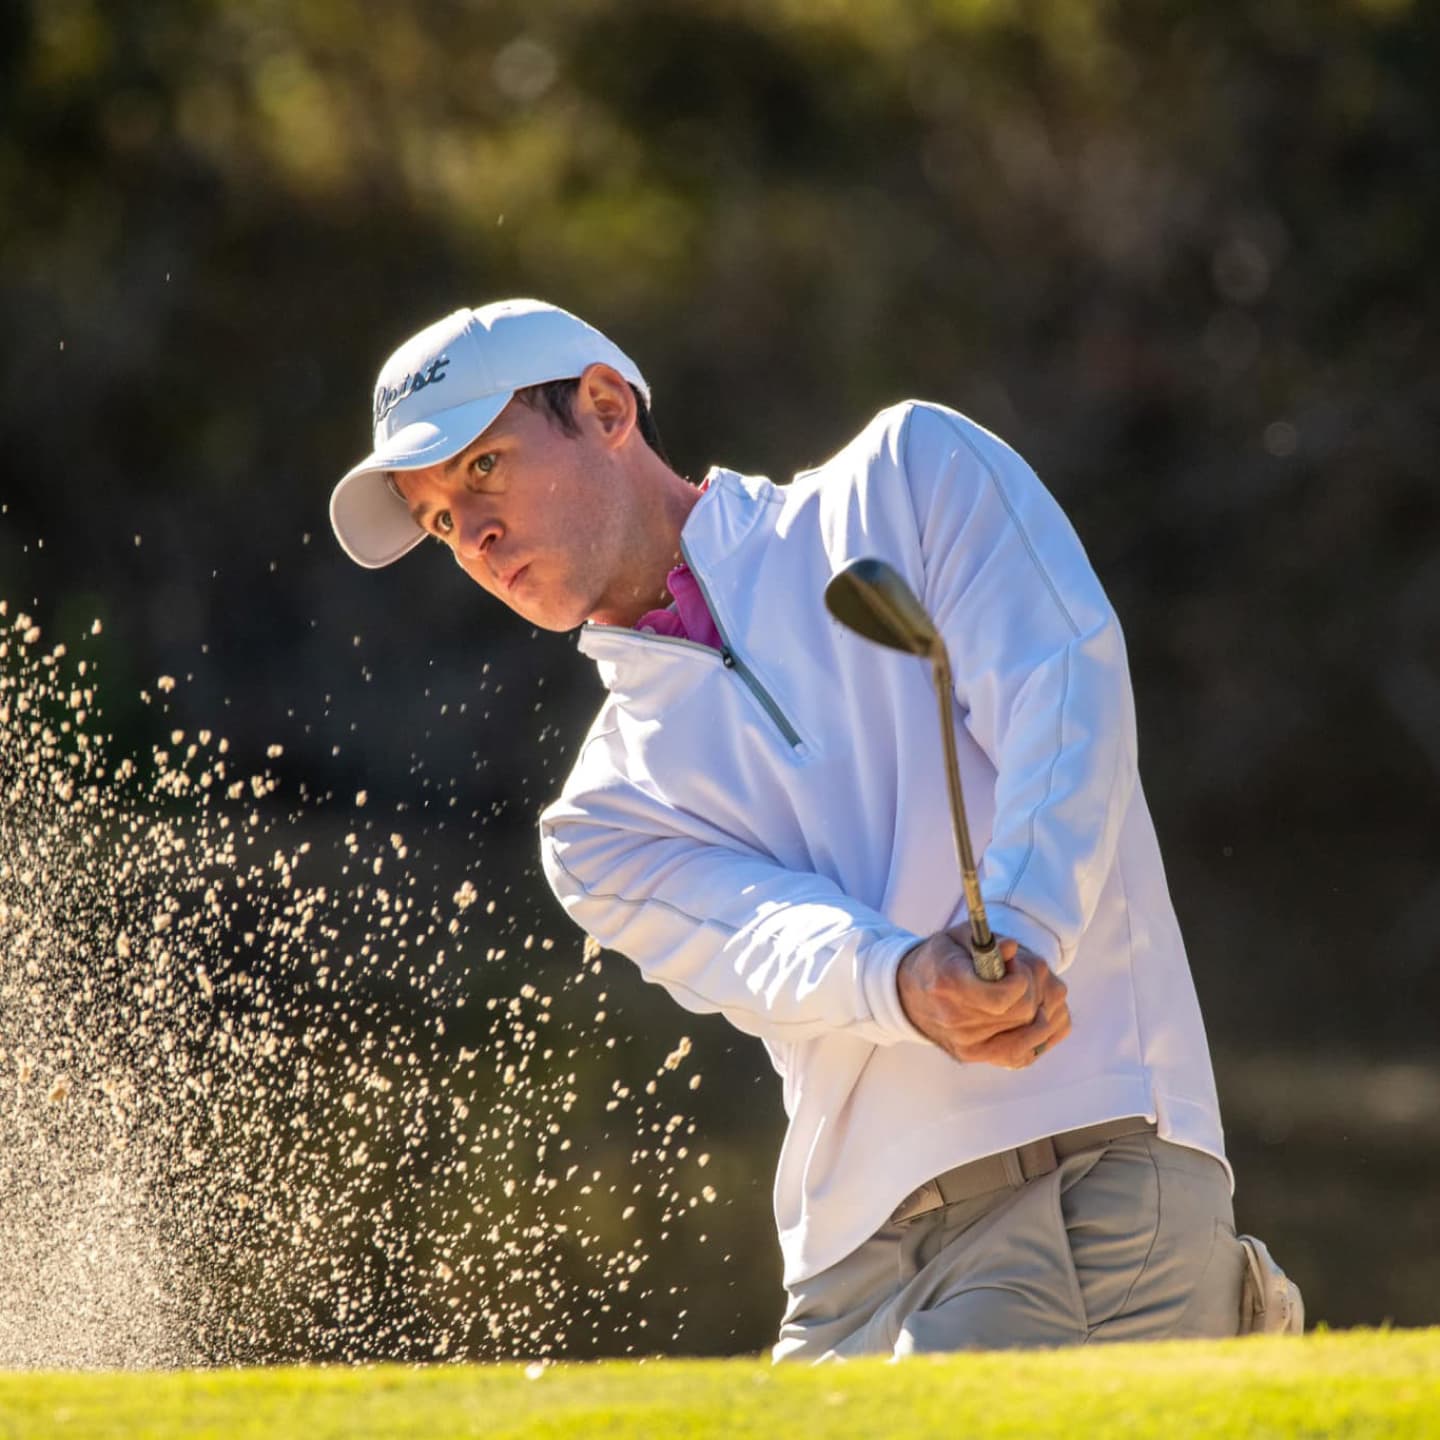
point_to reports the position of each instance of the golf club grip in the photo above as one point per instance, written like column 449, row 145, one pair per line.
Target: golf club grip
column 989, row 965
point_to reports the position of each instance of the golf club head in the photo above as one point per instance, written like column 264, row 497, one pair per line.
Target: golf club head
column 872, row 599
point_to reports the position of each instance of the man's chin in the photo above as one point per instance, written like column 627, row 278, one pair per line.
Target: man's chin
column 554, row 620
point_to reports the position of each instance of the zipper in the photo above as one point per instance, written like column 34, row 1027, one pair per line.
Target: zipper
column 728, row 658
column 732, row 661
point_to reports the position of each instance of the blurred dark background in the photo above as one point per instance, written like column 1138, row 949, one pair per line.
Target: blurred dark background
column 1180, row 255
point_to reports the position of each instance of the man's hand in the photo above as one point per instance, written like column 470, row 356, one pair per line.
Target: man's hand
column 1009, row 1022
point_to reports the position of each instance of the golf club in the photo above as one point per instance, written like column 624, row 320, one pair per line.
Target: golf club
column 870, row 597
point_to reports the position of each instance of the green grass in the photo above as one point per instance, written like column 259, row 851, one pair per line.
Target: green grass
column 1360, row 1383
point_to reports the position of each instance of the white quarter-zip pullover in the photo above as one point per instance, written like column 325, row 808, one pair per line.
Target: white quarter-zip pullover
column 765, row 830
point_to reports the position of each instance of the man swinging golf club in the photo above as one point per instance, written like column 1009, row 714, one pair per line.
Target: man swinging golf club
column 757, row 818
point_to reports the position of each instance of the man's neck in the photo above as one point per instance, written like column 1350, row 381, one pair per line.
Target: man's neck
column 669, row 500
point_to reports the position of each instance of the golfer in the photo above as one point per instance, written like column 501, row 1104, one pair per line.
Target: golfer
column 758, row 818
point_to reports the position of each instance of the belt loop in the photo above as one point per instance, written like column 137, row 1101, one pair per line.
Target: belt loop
column 1038, row 1158
column 1014, row 1168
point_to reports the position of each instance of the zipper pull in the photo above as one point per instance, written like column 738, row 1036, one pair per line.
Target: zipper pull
column 727, row 659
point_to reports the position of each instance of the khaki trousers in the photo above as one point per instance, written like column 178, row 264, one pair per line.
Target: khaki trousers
column 1134, row 1240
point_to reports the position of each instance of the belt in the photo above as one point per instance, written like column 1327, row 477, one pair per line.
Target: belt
column 1013, row 1168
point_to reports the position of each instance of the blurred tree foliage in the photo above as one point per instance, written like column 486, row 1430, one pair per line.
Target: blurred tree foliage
column 1179, row 254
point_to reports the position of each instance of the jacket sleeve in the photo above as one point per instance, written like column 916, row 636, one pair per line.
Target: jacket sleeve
column 783, row 955
column 1040, row 675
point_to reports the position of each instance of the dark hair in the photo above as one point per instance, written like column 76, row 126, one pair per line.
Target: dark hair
column 556, row 401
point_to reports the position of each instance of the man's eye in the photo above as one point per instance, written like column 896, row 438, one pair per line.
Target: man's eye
column 444, row 523
column 485, row 463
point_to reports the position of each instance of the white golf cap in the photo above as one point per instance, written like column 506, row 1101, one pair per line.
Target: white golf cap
column 442, row 389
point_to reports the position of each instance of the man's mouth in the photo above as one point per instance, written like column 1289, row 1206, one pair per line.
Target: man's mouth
column 513, row 577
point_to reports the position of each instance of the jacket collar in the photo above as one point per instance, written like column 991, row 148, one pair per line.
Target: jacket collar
column 717, row 526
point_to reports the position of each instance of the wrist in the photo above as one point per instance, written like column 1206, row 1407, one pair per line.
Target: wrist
column 912, row 983
column 880, row 985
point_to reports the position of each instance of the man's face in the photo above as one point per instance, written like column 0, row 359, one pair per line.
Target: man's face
column 533, row 515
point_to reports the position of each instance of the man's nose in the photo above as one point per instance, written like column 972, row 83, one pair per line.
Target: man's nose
column 478, row 530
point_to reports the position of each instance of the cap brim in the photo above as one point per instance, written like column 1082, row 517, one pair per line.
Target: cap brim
column 371, row 522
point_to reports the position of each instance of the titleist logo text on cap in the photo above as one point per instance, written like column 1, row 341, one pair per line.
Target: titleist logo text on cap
column 387, row 397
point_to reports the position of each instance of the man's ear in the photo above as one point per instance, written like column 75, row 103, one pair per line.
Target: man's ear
column 605, row 400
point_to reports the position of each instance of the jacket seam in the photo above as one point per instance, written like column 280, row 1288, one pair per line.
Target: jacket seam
column 1069, row 619
column 1004, row 499
column 1049, row 782
column 1040, row 924
column 591, row 739
column 1141, row 1042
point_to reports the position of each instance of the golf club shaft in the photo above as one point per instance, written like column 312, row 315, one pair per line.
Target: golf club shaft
column 985, row 952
